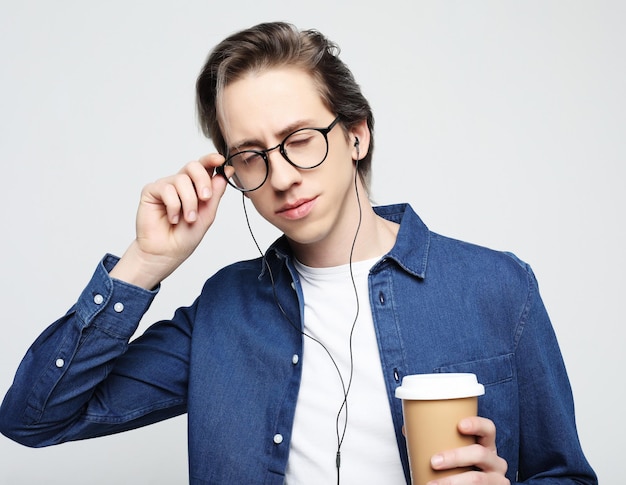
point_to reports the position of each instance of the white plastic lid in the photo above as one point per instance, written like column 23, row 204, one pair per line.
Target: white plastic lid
column 439, row 386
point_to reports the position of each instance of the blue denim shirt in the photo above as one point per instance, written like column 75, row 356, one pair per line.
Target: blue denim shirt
column 438, row 305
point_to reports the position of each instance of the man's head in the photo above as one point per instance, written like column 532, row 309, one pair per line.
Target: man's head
column 275, row 45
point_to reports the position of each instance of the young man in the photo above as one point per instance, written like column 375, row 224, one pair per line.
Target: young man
column 287, row 365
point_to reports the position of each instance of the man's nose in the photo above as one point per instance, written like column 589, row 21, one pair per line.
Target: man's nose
column 282, row 174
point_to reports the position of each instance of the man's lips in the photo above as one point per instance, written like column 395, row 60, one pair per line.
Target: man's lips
column 296, row 210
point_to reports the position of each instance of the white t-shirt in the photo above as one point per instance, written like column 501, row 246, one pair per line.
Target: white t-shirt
column 369, row 452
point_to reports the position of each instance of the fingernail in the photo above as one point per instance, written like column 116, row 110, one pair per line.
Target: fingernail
column 436, row 460
column 206, row 192
column 191, row 216
column 175, row 219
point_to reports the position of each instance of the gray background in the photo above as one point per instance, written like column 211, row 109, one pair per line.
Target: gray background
column 501, row 122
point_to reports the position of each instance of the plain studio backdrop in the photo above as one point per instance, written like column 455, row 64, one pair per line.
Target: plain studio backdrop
column 501, row 122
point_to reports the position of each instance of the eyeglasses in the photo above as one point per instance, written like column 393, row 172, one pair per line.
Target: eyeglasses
column 305, row 148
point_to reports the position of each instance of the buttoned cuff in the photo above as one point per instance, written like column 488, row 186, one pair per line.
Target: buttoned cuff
column 112, row 305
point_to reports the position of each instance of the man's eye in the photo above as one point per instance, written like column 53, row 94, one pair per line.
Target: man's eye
column 254, row 158
column 247, row 158
column 299, row 141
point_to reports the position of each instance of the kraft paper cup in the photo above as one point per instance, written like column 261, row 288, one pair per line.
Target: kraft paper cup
column 433, row 405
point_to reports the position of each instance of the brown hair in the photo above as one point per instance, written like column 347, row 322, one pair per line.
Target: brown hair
column 278, row 44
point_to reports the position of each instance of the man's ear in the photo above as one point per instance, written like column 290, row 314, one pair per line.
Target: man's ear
column 360, row 140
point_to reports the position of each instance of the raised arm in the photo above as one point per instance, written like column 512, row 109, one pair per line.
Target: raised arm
column 174, row 214
column 81, row 378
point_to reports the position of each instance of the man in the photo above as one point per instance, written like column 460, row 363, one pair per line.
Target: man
column 287, row 365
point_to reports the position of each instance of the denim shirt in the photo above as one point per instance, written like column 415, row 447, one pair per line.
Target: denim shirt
column 231, row 360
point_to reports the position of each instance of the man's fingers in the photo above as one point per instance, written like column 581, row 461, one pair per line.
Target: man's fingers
column 177, row 195
column 484, row 429
column 472, row 455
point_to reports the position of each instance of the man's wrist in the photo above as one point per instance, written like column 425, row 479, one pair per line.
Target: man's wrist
column 140, row 270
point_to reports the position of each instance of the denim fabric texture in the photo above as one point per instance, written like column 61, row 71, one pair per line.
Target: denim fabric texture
column 438, row 304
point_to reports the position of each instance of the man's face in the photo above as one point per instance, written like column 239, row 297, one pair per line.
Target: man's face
column 311, row 206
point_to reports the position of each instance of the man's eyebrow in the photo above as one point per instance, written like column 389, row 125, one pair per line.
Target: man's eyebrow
column 287, row 130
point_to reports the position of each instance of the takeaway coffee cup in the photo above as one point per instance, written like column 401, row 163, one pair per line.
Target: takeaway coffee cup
column 433, row 405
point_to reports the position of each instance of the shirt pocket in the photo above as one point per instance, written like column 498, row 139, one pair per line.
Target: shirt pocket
column 500, row 403
column 489, row 371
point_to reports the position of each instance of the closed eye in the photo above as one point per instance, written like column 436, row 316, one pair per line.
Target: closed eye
column 246, row 158
column 299, row 140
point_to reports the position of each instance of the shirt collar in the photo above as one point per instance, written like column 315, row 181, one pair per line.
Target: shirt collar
column 410, row 251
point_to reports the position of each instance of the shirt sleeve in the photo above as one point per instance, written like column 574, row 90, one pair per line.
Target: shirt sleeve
column 81, row 378
column 550, row 450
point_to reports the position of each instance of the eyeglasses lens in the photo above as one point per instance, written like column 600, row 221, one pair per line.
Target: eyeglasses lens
column 304, row 148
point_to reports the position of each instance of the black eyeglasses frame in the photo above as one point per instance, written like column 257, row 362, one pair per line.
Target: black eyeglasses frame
column 264, row 154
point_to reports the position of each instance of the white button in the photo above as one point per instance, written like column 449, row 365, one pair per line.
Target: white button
column 295, row 359
column 98, row 299
column 59, row 363
column 293, row 285
column 278, row 439
column 118, row 307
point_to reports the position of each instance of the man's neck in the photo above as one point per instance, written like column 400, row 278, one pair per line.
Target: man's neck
column 376, row 236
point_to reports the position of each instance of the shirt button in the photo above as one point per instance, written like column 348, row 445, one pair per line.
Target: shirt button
column 293, row 285
column 98, row 299
column 295, row 359
column 278, row 438
column 59, row 363
column 118, row 307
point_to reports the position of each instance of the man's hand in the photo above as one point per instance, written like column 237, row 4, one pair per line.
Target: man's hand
column 483, row 456
column 174, row 214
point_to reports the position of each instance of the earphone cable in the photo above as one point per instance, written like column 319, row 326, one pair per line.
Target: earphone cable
column 346, row 389
column 356, row 317
column 277, row 301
